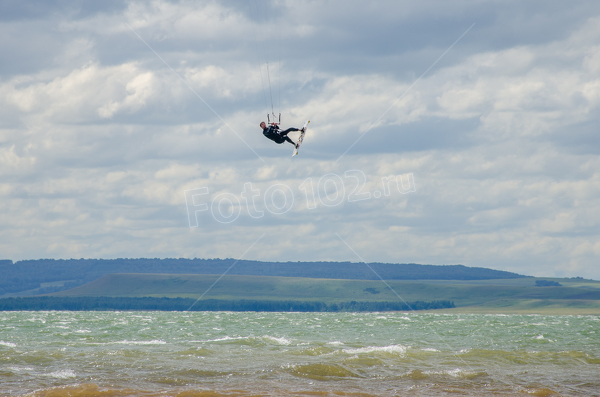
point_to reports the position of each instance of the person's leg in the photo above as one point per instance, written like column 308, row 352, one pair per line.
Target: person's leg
column 287, row 138
column 284, row 133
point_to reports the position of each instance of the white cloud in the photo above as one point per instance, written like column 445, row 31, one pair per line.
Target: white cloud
column 138, row 91
column 11, row 162
column 78, row 96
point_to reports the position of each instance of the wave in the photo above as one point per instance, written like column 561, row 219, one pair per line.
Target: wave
column 195, row 351
column 222, row 339
column 7, row 344
column 452, row 373
column 250, row 340
column 392, row 349
column 430, row 349
column 93, row 390
column 64, row 374
column 525, row 357
column 20, row 369
column 142, row 342
column 315, row 351
column 321, row 371
column 279, row 341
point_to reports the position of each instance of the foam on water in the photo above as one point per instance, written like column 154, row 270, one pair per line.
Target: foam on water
column 64, row 374
column 7, row 344
column 280, row 341
column 142, row 342
column 20, row 369
column 222, row 339
column 430, row 349
column 455, row 373
column 392, row 349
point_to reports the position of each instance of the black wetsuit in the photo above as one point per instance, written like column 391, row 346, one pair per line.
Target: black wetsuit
column 273, row 133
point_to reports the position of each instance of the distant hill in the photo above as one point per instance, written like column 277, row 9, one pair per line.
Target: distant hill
column 48, row 275
column 279, row 293
column 232, row 287
column 298, row 288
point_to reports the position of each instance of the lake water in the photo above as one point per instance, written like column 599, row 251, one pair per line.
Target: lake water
column 297, row 354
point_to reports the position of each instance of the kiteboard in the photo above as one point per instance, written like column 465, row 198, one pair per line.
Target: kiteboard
column 304, row 128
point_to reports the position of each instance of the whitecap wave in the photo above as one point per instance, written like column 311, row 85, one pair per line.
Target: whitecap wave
column 20, row 369
column 430, row 349
column 225, row 338
column 7, row 344
column 141, row 342
column 393, row 349
column 455, row 373
column 280, row 341
column 64, row 374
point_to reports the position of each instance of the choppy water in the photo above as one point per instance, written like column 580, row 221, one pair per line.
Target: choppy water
column 296, row 354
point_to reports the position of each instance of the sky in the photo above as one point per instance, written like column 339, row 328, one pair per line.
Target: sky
column 455, row 132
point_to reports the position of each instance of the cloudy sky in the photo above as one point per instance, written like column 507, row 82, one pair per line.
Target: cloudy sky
column 454, row 132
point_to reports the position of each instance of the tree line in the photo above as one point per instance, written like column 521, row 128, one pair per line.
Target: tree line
column 183, row 304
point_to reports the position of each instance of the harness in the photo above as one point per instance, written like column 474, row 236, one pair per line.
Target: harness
column 272, row 134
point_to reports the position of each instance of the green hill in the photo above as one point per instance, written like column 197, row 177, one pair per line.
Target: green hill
column 502, row 294
column 348, row 284
column 34, row 277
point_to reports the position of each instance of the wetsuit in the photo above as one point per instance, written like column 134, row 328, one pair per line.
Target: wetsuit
column 272, row 132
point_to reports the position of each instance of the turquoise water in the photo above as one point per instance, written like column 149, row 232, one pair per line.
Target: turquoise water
column 297, row 354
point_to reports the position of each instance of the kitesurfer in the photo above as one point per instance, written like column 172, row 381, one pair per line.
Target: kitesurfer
column 273, row 133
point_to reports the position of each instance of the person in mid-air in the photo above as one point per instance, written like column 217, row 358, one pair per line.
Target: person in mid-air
column 273, row 133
